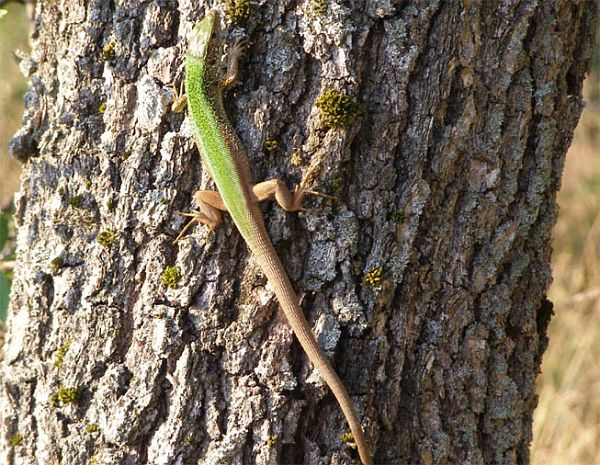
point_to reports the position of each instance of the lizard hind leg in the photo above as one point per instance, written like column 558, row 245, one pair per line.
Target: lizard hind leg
column 210, row 205
column 289, row 202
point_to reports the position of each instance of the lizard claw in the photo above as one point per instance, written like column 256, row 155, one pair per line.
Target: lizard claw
column 319, row 194
column 302, row 188
column 240, row 46
column 179, row 98
column 185, row 229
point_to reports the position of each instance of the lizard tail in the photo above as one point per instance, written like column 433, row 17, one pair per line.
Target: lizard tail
column 272, row 267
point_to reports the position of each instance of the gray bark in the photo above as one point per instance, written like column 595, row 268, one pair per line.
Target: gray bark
column 446, row 180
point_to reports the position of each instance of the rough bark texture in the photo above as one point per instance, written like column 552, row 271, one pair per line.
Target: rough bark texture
column 446, row 181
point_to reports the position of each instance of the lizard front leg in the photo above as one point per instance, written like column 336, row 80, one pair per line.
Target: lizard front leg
column 179, row 99
column 210, row 205
column 233, row 63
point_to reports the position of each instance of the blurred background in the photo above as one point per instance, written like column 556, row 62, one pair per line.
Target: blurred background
column 566, row 428
column 14, row 28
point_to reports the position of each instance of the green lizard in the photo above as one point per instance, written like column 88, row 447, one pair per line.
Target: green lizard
column 223, row 154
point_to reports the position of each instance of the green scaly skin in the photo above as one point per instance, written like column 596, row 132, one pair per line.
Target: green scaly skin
column 227, row 162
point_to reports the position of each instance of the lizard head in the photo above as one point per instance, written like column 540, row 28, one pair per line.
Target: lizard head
column 206, row 37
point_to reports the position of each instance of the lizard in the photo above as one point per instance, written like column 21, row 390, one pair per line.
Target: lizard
column 224, row 156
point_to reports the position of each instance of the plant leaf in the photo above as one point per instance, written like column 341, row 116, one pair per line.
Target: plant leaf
column 4, row 294
column 3, row 230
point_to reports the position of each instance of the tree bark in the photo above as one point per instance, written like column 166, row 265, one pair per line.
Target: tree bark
column 425, row 280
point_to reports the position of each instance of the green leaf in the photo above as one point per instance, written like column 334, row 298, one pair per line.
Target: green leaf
column 4, row 294
column 3, row 230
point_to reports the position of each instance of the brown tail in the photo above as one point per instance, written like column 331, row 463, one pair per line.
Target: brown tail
column 271, row 265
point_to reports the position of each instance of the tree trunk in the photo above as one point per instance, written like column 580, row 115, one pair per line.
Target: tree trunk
column 425, row 280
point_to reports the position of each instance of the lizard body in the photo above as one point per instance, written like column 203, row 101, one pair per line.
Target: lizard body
column 224, row 156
